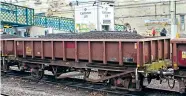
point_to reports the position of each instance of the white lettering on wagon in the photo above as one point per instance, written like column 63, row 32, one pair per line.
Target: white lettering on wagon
column 135, row 45
column 17, row 43
column 38, row 53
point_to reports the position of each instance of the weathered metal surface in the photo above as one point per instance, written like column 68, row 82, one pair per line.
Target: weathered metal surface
column 155, row 66
column 117, row 51
column 179, row 52
column 109, row 77
column 70, row 75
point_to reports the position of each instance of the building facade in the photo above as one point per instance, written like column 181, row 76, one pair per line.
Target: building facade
column 136, row 14
column 130, row 13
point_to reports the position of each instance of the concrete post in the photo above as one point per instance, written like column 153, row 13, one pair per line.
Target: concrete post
column 173, row 19
column 98, row 18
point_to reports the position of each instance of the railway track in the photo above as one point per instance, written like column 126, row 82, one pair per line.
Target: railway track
column 77, row 83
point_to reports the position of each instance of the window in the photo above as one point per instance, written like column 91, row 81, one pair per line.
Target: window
column 182, row 22
column 105, row 27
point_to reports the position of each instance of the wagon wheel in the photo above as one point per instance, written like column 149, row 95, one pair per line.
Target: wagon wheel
column 37, row 74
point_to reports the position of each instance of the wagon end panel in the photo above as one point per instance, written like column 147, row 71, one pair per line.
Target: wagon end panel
column 157, row 54
column 58, row 49
column 159, row 50
column 181, row 55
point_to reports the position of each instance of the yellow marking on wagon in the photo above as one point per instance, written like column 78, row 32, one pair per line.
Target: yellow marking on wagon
column 175, row 66
column 183, row 54
column 155, row 66
column 28, row 50
column 138, row 65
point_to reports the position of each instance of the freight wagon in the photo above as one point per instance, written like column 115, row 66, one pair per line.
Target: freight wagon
column 179, row 61
column 123, row 63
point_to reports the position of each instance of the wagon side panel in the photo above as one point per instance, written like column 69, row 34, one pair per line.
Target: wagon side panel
column 112, row 51
column 147, row 52
column 97, row 51
column 47, row 52
column 181, row 54
column 28, row 48
column 70, row 49
column 37, row 49
column 82, row 50
column 129, row 52
column 58, row 49
column 20, row 50
column 167, row 49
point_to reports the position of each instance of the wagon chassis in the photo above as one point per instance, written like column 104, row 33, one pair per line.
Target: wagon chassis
column 83, row 66
column 151, row 50
column 106, row 73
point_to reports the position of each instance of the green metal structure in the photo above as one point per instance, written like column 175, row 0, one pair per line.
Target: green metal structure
column 15, row 15
column 58, row 23
column 19, row 16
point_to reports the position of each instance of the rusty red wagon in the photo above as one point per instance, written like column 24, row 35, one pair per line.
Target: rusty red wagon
column 116, row 60
column 141, row 51
column 179, row 61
